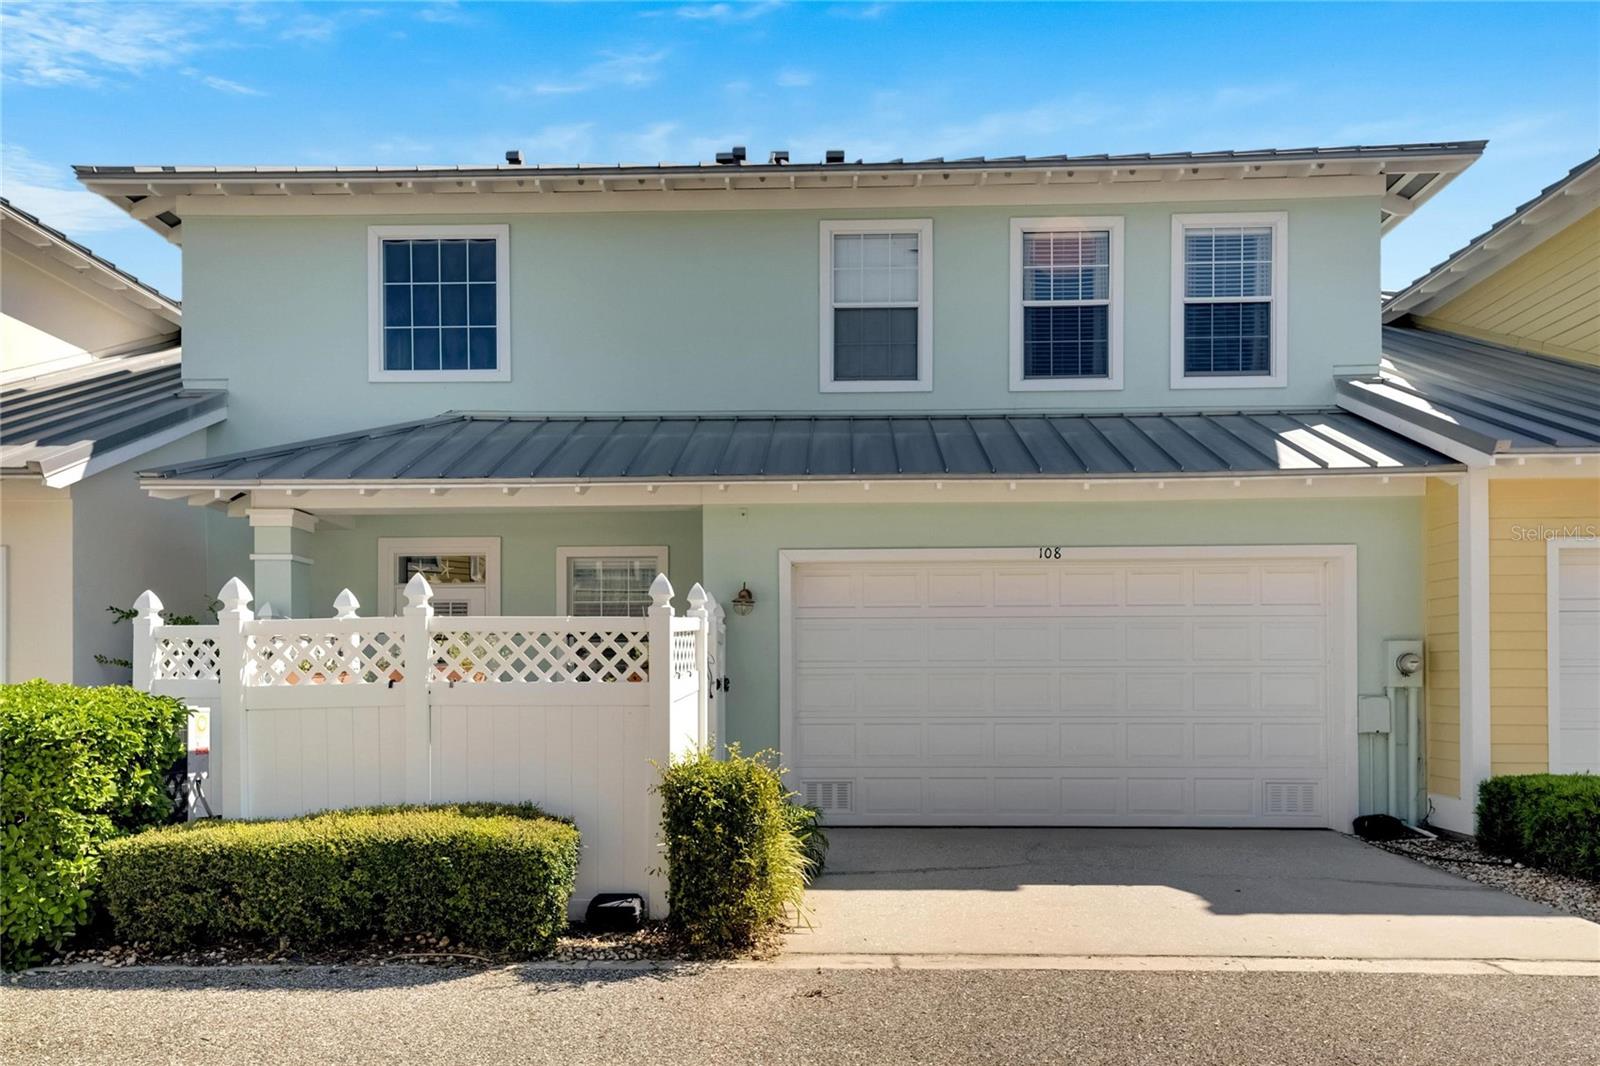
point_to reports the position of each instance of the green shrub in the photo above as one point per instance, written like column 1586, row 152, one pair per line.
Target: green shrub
column 735, row 865
column 490, row 876
column 80, row 766
column 1548, row 820
column 806, row 823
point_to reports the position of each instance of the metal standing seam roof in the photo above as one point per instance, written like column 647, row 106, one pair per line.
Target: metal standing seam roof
column 155, row 295
column 1490, row 398
column 57, row 421
column 496, row 448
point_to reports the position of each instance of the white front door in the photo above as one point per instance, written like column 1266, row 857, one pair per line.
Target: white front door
column 1575, row 702
column 1158, row 689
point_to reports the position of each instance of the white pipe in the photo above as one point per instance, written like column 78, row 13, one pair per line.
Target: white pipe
column 1412, row 755
column 1393, row 805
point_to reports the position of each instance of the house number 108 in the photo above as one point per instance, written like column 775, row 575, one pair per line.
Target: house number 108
column 1049, row 553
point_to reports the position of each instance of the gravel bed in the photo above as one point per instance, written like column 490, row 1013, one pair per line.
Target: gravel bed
column 1574, row 895
column 575, row 945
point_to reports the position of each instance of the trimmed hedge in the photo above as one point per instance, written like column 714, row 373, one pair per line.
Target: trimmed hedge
column 1548, row 820
column 494, row 877
column 736, row 866
column 80, row 767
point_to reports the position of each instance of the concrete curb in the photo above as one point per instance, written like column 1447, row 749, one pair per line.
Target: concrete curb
column 1108, row 963
column 1178, row 963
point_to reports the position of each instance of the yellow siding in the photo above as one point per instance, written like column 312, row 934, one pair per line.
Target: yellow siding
column 1441, row 636
column 1523, row 514
column 1545, row 301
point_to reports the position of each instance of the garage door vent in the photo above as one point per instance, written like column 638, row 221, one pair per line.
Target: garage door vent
column 1291, row 797
column 829, row 795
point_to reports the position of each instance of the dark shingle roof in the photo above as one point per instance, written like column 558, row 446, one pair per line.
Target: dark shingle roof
column 511, row 447
column 1490, row 398
column 53, row 423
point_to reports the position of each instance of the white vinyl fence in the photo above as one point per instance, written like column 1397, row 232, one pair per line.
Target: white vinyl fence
column 573, row 714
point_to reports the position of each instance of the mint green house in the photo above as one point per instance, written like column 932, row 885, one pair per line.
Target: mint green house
column 1026, row 482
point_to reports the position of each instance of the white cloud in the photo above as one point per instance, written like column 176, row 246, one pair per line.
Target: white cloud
column 52, row 193
column 795, row 79
column 612, row 69
column 80, row 44
column 862, row 11
column 314, row 28
column 728, row 12
column 444, row 11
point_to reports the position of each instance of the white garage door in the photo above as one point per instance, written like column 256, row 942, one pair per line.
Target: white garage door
column 1150, row 691
column 1576, row 732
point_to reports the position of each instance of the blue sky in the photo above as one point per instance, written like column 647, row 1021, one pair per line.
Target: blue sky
column 435, row 82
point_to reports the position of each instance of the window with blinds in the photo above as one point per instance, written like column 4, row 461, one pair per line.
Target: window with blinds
column 610, row 586
column 1066, row 304
column 1228, row 300
column 875, row 277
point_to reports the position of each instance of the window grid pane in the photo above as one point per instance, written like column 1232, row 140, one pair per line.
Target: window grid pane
column 1230, row 338
column 875, row 268
column 1065, row 342
column 439, row 304
column 875, row 344
column 610, row 586
column 1066, row 295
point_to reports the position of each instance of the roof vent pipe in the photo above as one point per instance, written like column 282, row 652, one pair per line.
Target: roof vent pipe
column 778, row 157
column 725, row 158
column 834, row 155
column 738, row 153
column 514, row 157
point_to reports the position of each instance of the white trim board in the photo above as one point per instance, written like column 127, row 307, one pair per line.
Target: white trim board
column 1278, row 377
column 1553, row 549
column 828, row 229
column 1343, row 676
column 564, row 557
column 391, row 548
column 501, row 234
column 1113, row 224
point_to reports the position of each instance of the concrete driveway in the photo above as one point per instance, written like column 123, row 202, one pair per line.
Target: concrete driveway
column 1162, row 892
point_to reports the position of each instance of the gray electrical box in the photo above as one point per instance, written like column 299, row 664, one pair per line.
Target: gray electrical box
column 1404, row 663
column 1373, row 715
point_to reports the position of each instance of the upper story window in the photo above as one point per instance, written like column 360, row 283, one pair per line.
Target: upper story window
column 1066, row 304
column 877, row 307
column 1229, row 315
column 439, row 303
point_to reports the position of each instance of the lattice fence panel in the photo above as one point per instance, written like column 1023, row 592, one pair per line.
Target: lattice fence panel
column 194, row 656
column 511, row 656
column 683, row 653
column 371, row 658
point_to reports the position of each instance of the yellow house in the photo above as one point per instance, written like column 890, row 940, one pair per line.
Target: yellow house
column 1493, row 357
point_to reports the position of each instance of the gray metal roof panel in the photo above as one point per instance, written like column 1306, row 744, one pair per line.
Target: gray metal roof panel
column 1488, row 397
column 89, row 172
column 59, row 420
column 505, row 447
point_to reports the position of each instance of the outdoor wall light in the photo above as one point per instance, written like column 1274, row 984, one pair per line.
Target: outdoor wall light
column 744, row 601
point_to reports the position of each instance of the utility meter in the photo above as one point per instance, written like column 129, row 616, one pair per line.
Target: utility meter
column 1405, row 663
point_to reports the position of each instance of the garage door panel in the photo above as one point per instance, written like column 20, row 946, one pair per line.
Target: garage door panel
column 1171, row 693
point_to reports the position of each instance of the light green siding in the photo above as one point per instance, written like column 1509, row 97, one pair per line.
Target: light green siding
column 742, row 545
column 528, row 543
column 713, row 311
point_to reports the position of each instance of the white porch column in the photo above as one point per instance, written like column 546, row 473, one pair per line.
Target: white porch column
column 282, row 559
column 1473, row 607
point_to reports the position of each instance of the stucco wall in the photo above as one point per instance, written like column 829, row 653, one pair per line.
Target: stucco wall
column 1547, row 300
column 713, row 311
column 742, row 545
column 348, row 558
column 124, row 542
column 36, row 528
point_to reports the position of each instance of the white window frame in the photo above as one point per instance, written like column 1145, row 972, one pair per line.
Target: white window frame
column 564, row 557
column 1279, row 353
column 1554, row 547
column 391, row 548
column 923, row 228
column 376, row 235
column 1113, row 379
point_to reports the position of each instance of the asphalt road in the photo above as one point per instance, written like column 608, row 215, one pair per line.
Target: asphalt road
column 719, row 1015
